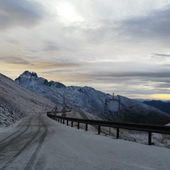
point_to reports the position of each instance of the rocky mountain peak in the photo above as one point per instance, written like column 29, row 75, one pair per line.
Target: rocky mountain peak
column 26, row 77
column 29, row 74
column 56, row 84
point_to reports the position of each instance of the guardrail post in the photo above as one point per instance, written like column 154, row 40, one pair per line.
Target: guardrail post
column 149, row 138
column 78, row 125
column 63, row 121
column 98, row 129
column 71, row 123
column 86, row 127
column 67, row 122
column 109, row 130
column 117, row 134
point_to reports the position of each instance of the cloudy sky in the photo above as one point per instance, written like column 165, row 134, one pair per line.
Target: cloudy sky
column 114, row 46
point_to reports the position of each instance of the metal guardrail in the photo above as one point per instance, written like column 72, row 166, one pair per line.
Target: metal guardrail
column 118, row 125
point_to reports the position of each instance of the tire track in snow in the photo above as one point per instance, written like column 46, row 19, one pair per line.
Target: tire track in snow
column 33, row 158
column 15, row 131
column 3, row 146
column 22, row 149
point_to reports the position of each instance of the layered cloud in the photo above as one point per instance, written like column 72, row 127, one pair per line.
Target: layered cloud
column 154, row 26
column 163, row 56
column 24, row 13
column 14, row 60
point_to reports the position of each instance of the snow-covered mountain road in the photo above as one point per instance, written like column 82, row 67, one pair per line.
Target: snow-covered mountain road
column 40, row 143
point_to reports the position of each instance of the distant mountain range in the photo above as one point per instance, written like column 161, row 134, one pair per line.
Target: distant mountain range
column 92, row 101
column 161, row 105
column 142, row 100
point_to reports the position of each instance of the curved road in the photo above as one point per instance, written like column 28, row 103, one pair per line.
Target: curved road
column 39, row 143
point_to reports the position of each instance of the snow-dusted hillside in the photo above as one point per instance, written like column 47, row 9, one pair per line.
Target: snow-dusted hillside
column 83, row 98
column 90, row 100
column 17, row 102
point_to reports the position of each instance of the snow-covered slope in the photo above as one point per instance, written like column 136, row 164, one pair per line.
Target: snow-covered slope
column 17, row 102
column 92, row 101
column 83, row 98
